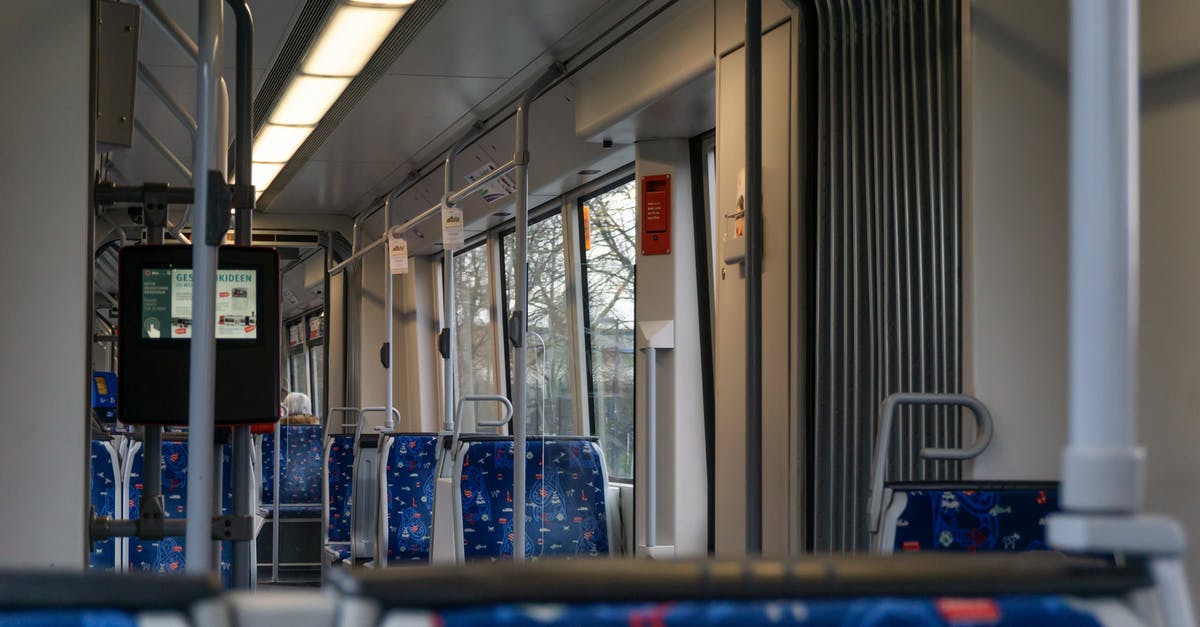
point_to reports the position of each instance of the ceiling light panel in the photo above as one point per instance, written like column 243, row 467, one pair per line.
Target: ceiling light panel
column 261, row 174
column 276, row 144
column 307, row 99
column 349, row 39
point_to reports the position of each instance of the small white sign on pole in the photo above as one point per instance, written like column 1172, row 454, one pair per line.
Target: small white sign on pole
column 398, row 252
column 452, row 228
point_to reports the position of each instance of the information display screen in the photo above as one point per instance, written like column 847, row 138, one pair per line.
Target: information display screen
column 167, row 303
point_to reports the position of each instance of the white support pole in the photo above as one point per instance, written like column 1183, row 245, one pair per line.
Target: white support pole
column 388, row 315
column 202, row 365
column 518, row 327
column 1102, row 464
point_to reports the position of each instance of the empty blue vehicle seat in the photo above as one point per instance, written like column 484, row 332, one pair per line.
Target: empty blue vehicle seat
column 168, row 555
column 565, row 512
column 339, row 487
column 861, row 612
column 410, row 478
column 68, row 618
column 970, row 517
column 106, row 494
column 299, row 470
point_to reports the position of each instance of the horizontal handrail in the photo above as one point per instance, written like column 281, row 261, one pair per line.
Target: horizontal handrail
column 478, row 184
column 887, row 414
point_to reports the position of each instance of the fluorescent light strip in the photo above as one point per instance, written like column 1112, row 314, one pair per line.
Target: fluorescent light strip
column 346, row 43
column 349, row 40
column 277, row 144
column 261, row 174
column 307, row 99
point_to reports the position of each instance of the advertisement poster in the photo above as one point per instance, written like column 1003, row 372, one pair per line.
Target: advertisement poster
column 167, row 304
column 495, row 190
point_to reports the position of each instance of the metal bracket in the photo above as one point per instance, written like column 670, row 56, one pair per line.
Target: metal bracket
column 516, row 328
column 237, row 528
column 151, row 521
column 155, row 200
column 243, row 196
column 521, row 158
column 444, row 343
column 220, row 200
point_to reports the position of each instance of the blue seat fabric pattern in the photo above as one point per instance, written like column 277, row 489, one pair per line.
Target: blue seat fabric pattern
column 167, row 555
column 867, row 612
column 975, row 520
column 300, row 470
column 565, row 504
column 105, row 494
column 67, row 618
column 341, row 482
column 411, row 476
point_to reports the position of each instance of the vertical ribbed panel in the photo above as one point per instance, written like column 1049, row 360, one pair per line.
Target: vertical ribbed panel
column 887, row 247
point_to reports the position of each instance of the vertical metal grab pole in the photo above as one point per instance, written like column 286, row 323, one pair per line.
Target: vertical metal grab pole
column 518, row 323
column 448, row 307
column 243, row 487
column 651, row 447
column 202, row 364
column 518, row 328
column 754, row 244
column 1102, row 465
column 387, row 312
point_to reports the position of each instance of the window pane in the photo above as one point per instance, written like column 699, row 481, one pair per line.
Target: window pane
column 316, row 356
column 549, row 398
column 475, row 348
column 296, row 368
column 609, row 260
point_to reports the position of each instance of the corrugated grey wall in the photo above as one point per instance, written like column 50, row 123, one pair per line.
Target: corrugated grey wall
column 887, row 243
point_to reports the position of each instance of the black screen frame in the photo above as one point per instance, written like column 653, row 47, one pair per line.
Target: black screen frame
column 153, row 386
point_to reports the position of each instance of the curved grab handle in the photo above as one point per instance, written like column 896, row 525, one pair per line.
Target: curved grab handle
column 337, row 410
column 392, row 422
column 476, row 398
column 887, row 414
column 483, row 398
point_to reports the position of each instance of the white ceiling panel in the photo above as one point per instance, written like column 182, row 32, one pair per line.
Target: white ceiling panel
column 491, row 38
column 400, row 115
column 324, row 184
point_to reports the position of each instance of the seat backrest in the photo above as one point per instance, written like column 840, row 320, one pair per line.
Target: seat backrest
column 408, row 484
column 106, row 493
column 168, row 555
column 299, row 465
column 969, row 517
column 339, row 486
column 565, row 509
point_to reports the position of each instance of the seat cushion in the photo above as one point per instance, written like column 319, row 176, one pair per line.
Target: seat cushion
column 565, row 513
column 973, row 520
column 410, row 479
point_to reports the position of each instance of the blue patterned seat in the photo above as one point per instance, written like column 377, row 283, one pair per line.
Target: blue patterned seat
column 968, row 517
column 410, row 477
column 865, row 612
column 339, row 484
column 106, row 493
column 168, row 555
column 67, row 618
column 565, row 506
column 300, row 470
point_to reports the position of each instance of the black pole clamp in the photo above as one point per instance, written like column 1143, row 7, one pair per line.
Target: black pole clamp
column 220, row 201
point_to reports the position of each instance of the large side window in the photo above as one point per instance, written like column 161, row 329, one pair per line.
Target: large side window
column 549, row 396
column 475, row 344
column 608, row 231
